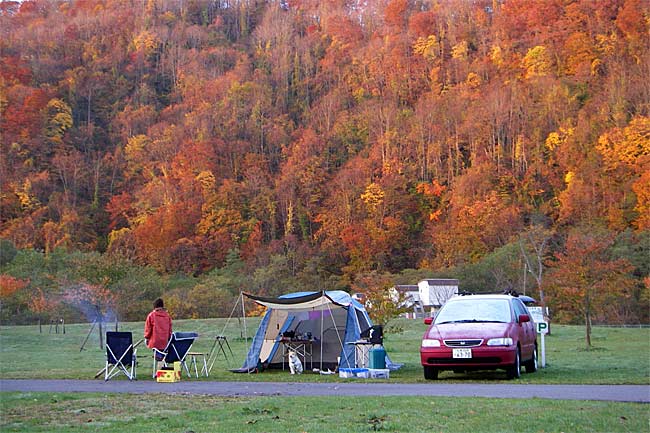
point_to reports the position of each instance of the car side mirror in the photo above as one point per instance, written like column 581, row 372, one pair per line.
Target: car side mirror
column 428, row 320
column 523, row 318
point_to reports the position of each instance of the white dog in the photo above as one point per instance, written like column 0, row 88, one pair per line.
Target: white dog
column 294, row 363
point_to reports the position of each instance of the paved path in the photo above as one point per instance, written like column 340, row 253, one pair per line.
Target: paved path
column 627, row 393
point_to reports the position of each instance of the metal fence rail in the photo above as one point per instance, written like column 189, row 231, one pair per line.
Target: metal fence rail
column 637, row 325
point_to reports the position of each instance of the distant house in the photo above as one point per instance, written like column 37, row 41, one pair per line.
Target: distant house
column 408, row 293
column 434, row 293
column 425, row 297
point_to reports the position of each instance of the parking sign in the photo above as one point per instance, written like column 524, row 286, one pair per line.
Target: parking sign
column 542, row 327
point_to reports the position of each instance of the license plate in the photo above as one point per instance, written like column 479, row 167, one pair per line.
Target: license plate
column 461, row 353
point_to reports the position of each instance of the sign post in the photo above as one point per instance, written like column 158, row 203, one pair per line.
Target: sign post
column 542, row 330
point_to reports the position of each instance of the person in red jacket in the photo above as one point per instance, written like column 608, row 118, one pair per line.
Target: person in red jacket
column 158, row 326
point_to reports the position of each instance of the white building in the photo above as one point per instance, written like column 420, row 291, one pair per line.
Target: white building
column 435, row 292
column 424, row 298
column 405, row 295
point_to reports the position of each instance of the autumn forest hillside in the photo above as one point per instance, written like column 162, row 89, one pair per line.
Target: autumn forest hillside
column 194, row 149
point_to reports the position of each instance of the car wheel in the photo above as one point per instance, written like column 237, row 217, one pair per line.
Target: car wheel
column 531, row 366
column 430, row 373
column 514, row 371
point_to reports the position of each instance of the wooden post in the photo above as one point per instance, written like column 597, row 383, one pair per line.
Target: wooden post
column 101, row 337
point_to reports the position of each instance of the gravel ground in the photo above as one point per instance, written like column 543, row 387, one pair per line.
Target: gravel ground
column 625, row 393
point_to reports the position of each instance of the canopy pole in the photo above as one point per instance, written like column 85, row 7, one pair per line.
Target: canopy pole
column 222, row 336
column 243, row 313
column 321, row 338
column 232, row 312
column 336, row 328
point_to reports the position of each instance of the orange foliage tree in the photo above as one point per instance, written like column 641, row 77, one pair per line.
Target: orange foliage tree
column 10, row 285
column 382, row 303
column 41, row 304
column 178, row 131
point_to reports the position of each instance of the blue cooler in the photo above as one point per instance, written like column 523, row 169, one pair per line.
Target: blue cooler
column 377, row 358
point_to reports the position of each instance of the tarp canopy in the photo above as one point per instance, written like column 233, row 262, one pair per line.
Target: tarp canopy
column 527, row 299
column 306, row 301
column 329, row 322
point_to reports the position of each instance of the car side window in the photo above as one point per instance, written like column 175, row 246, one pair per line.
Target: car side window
column 519, row 308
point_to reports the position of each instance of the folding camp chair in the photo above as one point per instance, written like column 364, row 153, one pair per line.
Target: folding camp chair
column 120, row 355
column 176, row 351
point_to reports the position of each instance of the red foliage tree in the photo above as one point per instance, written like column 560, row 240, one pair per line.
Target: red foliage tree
column 583, row 281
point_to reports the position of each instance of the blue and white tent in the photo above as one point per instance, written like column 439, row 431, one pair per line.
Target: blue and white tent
column 330, row 320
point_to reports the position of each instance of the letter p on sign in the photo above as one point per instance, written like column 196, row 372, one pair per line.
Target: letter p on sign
column 542, row 327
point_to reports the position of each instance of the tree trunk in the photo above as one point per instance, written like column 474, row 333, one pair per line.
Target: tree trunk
column 587, row 321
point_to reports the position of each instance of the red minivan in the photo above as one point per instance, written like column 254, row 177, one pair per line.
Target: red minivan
column 480, row 332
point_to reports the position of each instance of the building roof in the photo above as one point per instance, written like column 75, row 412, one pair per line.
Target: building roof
column 406, row 288
column 442, row 282
column 486, row 296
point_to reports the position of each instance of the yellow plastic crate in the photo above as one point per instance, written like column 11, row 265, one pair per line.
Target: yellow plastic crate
column 169, row 374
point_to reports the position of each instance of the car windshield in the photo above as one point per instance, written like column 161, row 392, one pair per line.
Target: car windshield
column 474, row 310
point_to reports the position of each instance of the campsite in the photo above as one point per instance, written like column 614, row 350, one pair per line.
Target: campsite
column 298, row 187
column 618, row 357
column 26, row 353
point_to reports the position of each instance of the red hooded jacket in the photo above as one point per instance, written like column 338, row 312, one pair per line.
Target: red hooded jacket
column 158, row 329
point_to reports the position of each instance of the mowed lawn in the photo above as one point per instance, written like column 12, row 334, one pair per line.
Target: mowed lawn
column 39, row 412
column 619, row 356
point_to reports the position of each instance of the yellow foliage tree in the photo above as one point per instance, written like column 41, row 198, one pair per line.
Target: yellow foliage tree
column 496, row 55
column 373, row 197
column 460, row 51
column 626, row 154
column 627, row 146
column 146, row 42
column 537, row 62
column 59, row 119
column 427, row 47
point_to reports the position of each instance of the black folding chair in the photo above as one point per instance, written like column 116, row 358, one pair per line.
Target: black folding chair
column 176, row 351
column 120, row 355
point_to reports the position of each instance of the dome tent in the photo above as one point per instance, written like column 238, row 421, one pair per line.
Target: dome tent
column 329, row 319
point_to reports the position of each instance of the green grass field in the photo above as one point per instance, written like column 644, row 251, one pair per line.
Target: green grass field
column 619, row 356
column 22, row 412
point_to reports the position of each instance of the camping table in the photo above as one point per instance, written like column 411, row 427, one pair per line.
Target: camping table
column 303, row 349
